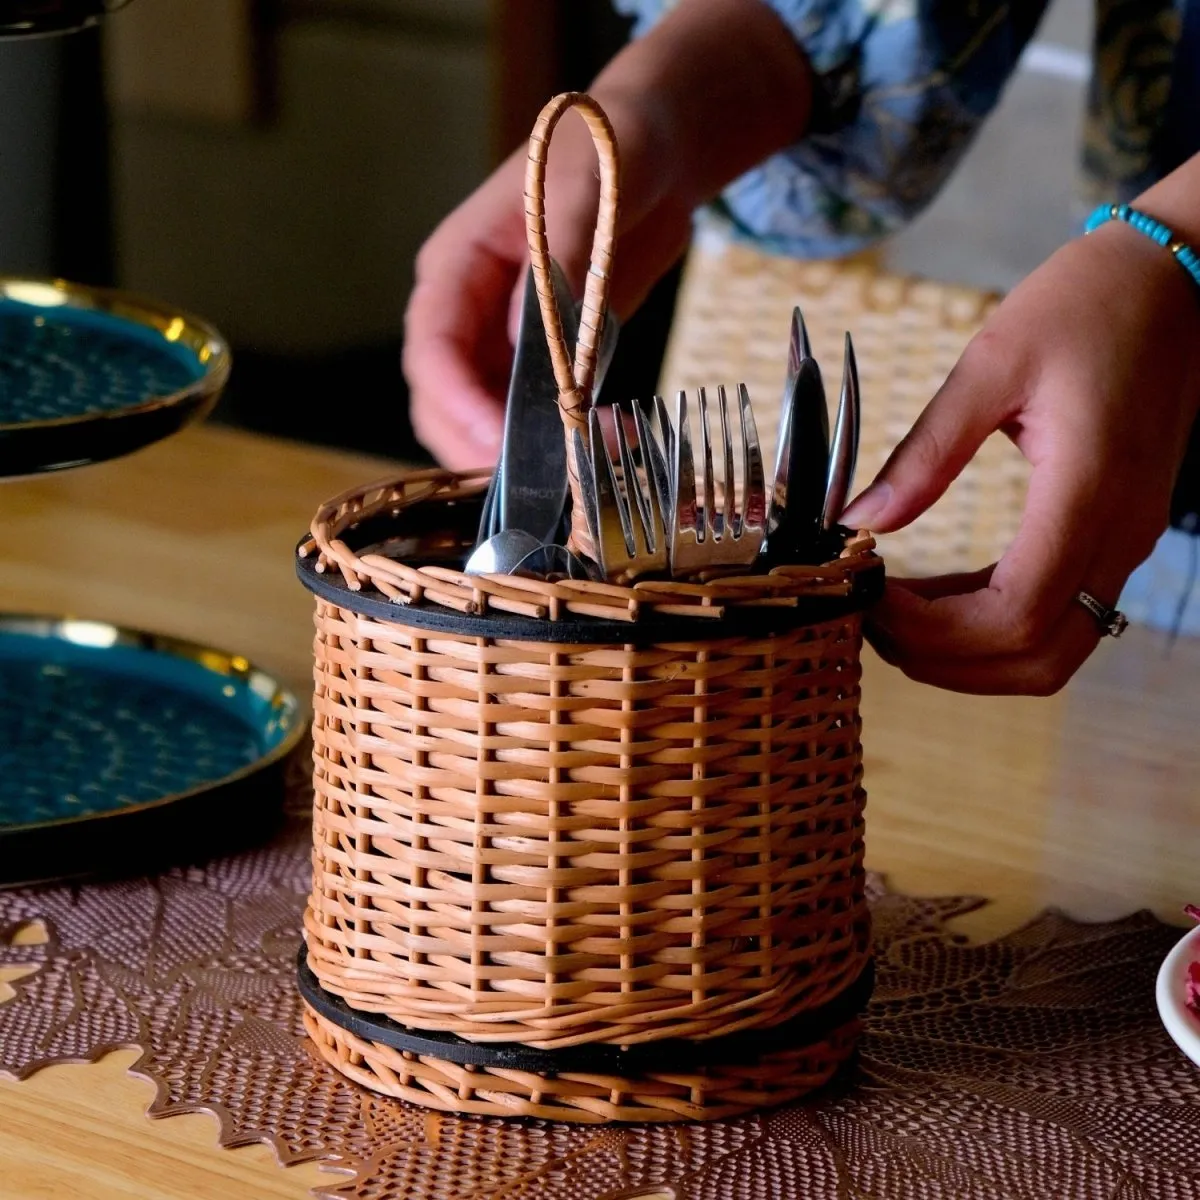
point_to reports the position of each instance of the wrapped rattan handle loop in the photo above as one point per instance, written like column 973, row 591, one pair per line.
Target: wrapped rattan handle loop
column 574, row 380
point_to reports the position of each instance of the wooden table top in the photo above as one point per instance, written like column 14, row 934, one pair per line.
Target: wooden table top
column 1086, row 800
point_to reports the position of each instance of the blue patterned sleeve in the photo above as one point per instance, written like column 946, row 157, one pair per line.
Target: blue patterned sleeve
column 902, row 87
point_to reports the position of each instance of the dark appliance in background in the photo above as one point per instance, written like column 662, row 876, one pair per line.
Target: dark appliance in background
column 44, row 18
column 55, row 198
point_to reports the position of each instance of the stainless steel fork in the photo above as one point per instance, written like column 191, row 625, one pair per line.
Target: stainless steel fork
column 626, row 505
column 707, row 531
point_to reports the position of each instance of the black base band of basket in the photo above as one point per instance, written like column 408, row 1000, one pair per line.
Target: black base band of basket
column 646, row 1058
column 747, row 621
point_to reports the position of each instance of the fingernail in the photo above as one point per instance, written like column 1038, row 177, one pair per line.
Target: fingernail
column 869, row 507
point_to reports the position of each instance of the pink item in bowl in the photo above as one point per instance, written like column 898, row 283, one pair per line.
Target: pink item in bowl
column 1193, row 975
column 1178, row 991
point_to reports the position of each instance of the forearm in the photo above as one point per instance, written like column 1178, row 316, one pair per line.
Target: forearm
column 1175, row 200
column 713, row 89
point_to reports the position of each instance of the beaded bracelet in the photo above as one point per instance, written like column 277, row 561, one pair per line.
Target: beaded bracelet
column 1155, row 230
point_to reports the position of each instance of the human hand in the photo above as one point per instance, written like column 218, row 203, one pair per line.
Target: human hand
column 462, row 316
column 711, row 90
column 1092, row 367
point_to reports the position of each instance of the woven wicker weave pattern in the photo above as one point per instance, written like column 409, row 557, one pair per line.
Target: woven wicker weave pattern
column 540, row 599
column 560, row 844
column 687, row 1095
column 731, row 324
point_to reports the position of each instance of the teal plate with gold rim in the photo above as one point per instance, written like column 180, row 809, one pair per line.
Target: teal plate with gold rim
column 88, row 374
column 123, row 751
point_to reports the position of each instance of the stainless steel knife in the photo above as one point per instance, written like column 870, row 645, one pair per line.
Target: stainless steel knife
column 532, row 399
column 532, row 467
column 533, row 457
column 798, row 351
column 844, row 453
column 802, row 458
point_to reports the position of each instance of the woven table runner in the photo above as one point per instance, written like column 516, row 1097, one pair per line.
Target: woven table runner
column 1029, row 1067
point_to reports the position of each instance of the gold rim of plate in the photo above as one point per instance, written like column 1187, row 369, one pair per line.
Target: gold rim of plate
column 173, row 324
column 101, row 635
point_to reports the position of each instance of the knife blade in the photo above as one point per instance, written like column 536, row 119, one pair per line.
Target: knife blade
column 532, row 472
column 798, row 351
column 844, row 453
column 528, row 506
column 802, row 458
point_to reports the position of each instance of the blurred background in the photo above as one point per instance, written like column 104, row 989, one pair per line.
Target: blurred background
column 273, row 166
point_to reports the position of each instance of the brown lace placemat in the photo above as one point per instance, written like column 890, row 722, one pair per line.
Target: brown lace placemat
column 1029, row 1067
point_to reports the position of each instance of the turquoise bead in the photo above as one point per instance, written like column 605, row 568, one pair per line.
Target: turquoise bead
column 1152, row 228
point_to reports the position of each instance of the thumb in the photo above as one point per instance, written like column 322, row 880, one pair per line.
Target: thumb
column 968, row 407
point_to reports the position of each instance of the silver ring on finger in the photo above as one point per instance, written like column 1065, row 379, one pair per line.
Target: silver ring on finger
column 1111, row 621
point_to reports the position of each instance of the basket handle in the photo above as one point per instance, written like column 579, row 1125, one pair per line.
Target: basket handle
column 574, row 380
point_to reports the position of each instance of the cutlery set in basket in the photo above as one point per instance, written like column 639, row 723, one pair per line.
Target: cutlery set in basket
column 646, row 500
column 588, row 823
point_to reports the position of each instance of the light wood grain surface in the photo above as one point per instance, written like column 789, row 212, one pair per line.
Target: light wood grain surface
column 1087, row 800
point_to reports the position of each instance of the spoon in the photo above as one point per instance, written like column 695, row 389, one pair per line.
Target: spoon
column 501, row 553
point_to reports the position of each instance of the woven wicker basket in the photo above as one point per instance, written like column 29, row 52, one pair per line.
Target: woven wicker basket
column 580, row 851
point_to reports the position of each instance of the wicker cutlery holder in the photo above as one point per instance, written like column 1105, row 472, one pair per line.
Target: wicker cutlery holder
column 580, row 852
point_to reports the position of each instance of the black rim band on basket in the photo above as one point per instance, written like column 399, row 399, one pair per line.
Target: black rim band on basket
column 602, row 1058
column 652, row 627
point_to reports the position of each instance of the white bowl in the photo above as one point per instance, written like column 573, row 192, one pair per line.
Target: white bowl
column 1171, row 992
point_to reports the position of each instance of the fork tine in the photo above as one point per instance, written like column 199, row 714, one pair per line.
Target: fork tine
column 617, row 477
column 754, row 482
column 731, row 522
column 710, row 502
column 685, row 518
column 683, row 466
column 656, row 490
column 585, row 468
column 844, row 447
column 608, row 490
column 666, row 432
column 637, row 519
column 653, row 461
column 744, row 506
column 666, row 443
